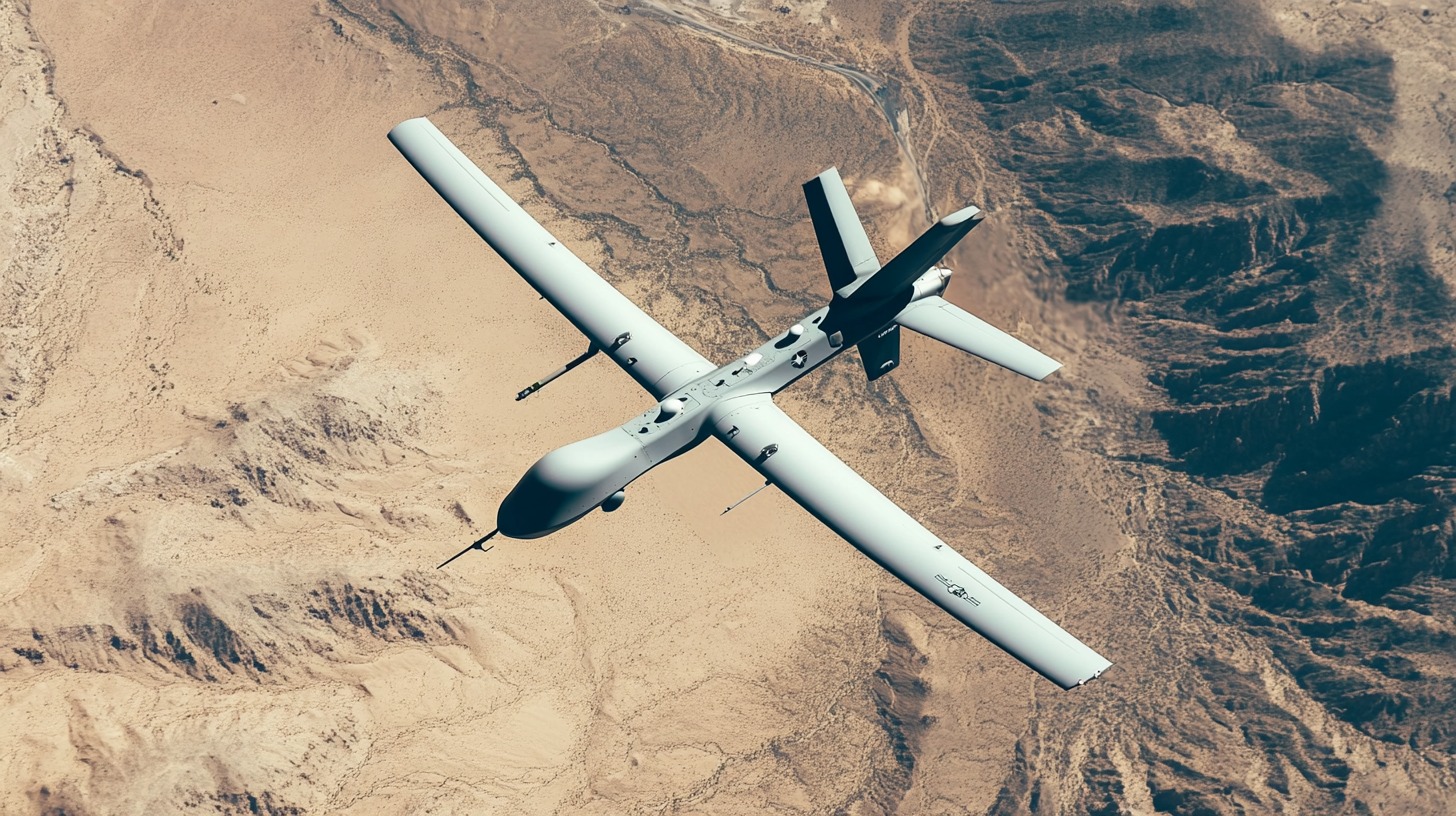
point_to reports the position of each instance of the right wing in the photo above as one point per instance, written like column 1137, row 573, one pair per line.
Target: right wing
column 792, row 460
column 654, row 356
column 950, row 324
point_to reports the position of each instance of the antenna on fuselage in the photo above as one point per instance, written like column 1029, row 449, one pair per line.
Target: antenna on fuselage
column 474, row 546
column 755, row 492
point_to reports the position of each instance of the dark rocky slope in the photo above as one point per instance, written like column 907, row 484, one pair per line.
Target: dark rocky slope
column 1216, row 183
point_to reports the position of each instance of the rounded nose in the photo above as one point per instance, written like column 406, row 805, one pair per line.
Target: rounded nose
column 570, row 482
column 531, row 509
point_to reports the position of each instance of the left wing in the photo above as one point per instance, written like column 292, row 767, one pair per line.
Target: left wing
column 654, row 356
column 792, row 460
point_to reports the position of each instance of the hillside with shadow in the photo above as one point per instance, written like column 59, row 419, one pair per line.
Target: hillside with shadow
column 1220, row 187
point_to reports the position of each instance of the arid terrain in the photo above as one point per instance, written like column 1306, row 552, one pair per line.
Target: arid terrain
column 257, row 380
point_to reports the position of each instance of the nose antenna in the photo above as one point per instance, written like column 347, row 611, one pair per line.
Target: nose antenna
column 475, row 546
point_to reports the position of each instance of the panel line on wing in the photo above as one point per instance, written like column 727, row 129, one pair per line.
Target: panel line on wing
column 471, row 169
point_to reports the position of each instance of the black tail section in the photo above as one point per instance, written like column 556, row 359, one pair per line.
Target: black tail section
column 880, row 352
column 897, row 275
column 868, row 297
column 847, row 253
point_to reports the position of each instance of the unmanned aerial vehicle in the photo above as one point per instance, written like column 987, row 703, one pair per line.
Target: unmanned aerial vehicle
column 696, row 399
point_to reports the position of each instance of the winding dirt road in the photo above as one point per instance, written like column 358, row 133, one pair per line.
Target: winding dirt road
column 885, row 92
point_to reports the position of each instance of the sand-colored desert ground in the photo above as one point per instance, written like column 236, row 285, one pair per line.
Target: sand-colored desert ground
column 259, row 380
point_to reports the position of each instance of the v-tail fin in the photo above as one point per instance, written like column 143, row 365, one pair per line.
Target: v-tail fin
column 866, row 294
column 846, row 248
column 880, row 352
column 915, row 260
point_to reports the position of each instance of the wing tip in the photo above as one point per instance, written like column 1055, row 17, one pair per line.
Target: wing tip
column 962, row 216
column 409, row 124
column 1106, row 664
column 1052, row 367
column 832, row 172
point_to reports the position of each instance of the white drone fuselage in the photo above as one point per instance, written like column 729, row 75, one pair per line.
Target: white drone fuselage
column 571, row 481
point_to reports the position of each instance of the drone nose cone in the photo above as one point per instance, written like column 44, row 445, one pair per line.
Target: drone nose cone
column 531, row 509
column 568, row 483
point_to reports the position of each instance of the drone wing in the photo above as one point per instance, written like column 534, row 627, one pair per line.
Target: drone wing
column 654, row 356
column 789, row 458
column 950, row 324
